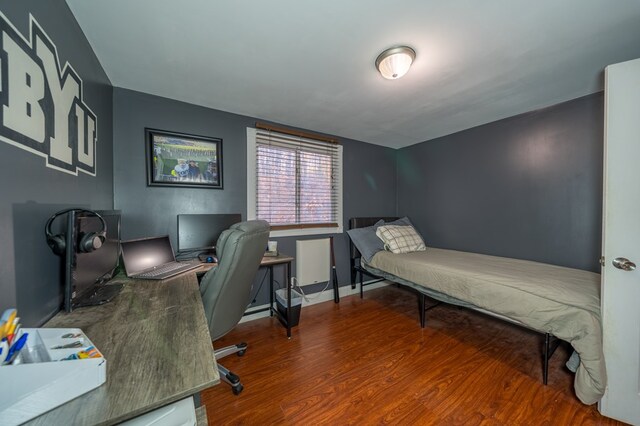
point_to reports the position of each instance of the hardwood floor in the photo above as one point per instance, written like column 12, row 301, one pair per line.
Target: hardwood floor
column 369, row 362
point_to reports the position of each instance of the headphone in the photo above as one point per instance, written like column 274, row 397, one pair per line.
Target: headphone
column 89, row 241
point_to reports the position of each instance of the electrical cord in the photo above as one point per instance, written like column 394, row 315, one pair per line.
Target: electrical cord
column 202, row 250
column 201, row 256
column 253, row 299
column 188, row 255
column 305, row 296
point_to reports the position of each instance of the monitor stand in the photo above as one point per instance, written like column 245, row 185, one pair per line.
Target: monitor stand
column 99, row 295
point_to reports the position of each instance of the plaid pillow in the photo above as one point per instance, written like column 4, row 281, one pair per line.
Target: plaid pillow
column 400, row 239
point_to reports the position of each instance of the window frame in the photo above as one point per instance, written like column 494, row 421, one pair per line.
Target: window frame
column 290, row 232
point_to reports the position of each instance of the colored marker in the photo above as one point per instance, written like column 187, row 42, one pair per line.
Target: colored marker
column 4, row 350
column 7, row 317
column 15, row 333
column 12, row 327
column 14, row 350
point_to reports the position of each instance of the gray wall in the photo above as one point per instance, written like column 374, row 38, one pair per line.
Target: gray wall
column 30, row 275
column 369, row 172
column 527, row 187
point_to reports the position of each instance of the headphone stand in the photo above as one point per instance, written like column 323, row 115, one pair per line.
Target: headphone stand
column 68, row 256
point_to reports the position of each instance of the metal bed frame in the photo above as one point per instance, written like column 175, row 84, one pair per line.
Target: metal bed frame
column 549, row 346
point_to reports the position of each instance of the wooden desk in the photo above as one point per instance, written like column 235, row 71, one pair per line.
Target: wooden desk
column 155, row 338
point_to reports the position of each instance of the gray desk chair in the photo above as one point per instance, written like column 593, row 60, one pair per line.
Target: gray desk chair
column 226, row 289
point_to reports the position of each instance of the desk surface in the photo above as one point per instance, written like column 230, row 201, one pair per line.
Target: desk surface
column 155, row 338
column 276, row 260
column 266, row 261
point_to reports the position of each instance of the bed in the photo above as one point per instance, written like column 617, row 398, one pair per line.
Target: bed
column 553, row 300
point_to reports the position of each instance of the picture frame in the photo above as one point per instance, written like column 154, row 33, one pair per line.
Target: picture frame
column 183, row 160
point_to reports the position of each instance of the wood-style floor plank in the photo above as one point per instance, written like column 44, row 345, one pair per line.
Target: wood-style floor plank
column 367, row 361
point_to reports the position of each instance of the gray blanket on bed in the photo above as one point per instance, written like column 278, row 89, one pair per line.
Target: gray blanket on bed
column 550, row 299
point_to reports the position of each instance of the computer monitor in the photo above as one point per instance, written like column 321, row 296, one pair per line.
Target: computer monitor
column 200, row 232
column 89, row 271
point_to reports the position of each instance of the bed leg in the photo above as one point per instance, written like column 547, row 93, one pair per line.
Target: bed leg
column 551, row 343
column 421, row 307
column 354, row 273
column 545, row 366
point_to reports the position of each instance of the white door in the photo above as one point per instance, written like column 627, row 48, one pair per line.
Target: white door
column 621, row 240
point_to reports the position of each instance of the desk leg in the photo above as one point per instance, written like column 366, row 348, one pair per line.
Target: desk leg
column 270, row 290
column 336, row 292
column 334, row 274
column 288, row 300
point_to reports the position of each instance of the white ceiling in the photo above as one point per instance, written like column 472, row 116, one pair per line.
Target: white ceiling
column 311, row 64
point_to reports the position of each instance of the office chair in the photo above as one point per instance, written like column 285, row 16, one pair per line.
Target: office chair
column 226, row 289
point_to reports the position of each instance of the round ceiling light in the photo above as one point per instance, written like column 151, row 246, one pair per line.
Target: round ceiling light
column 393, row 63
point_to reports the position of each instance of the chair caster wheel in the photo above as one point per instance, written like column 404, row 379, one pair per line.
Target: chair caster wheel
column 242, row 348
column 237, row 389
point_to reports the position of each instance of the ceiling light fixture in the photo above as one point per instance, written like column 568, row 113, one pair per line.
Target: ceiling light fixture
column 393, row 63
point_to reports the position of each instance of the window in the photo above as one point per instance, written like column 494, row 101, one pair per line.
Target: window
column 294, row 182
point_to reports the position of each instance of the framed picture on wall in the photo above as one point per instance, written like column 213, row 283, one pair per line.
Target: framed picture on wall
column 178, row 159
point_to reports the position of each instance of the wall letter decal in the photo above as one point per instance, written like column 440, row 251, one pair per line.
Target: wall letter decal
column 43, row 110
column 25, row 88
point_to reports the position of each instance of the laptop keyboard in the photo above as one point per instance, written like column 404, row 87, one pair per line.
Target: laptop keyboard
column 172, row 267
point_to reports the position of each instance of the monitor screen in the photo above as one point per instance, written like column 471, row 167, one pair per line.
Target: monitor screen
column 139, row 255
column 98, row 266
column 201, row 231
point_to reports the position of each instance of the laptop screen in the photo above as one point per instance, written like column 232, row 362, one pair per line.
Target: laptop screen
column 146, row 253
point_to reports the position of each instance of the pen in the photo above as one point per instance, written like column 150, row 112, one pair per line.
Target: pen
column 71, row 335
column 14, row 350
column 76, row 344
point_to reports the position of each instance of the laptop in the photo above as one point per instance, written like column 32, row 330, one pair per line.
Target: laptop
column 152, row 259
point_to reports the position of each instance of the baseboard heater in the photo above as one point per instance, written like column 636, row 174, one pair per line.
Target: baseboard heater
column 312, row 261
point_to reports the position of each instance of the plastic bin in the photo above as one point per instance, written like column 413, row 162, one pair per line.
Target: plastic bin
column 296, row 305
column 38, row 381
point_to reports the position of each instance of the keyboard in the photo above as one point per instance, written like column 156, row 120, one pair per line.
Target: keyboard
column 166, row 271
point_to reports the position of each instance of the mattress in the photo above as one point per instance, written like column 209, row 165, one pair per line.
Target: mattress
column 551, row 299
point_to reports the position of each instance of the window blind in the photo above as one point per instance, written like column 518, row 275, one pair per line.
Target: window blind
column 297, row 180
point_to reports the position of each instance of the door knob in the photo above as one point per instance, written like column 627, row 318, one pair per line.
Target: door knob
column 624, row 264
